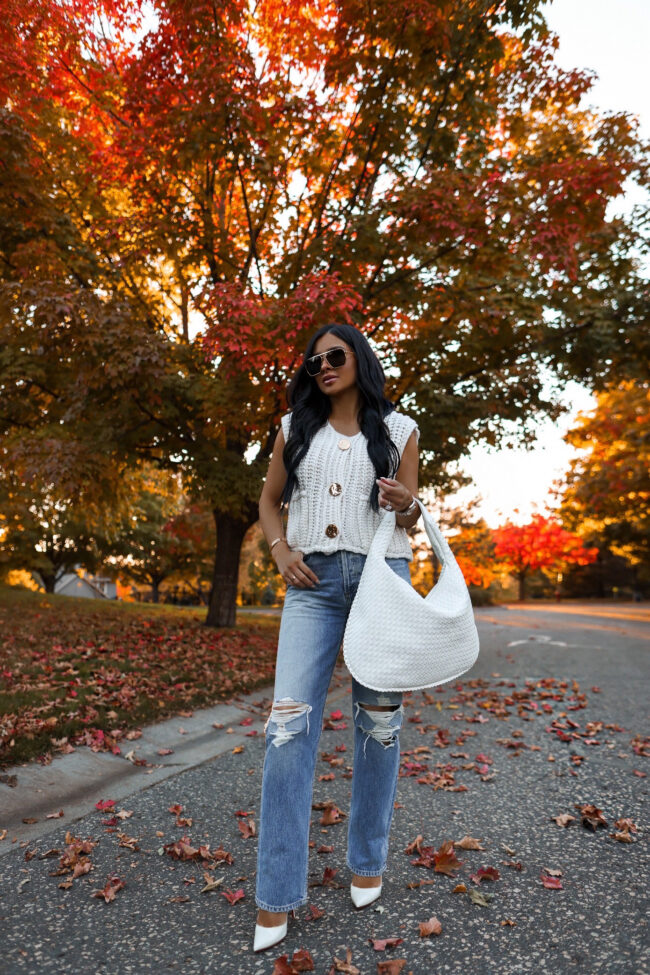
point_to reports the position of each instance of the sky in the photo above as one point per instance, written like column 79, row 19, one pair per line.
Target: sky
column 610, row 39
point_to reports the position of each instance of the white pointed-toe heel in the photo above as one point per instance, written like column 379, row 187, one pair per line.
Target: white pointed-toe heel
column 362, row 896
column 267, row 937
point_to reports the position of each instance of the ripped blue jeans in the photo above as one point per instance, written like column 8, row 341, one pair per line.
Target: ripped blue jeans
column 311, row 631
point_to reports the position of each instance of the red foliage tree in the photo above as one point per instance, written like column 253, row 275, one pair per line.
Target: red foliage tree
column 541, row 544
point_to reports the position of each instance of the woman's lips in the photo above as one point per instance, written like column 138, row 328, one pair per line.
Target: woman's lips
column 328, row 380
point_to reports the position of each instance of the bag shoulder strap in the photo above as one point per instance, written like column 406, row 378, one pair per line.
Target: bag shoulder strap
column 386, row 527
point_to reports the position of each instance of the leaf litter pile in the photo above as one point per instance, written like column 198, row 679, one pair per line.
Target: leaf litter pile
column 71, row 675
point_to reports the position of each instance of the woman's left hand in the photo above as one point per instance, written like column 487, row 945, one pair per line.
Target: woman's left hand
column 392, row 494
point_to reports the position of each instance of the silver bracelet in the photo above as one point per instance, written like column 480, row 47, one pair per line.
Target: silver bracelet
column 411, row 508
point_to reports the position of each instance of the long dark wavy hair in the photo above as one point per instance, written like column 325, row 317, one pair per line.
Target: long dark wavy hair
column 311, row 408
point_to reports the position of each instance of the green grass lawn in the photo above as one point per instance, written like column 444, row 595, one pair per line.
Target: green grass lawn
column 84, row 671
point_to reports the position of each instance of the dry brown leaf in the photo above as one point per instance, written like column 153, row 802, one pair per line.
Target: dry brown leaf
column 314, row 913
column 563, row 819
column 346, row 967
column 247, row 829
column 128, row 842
column 551, row 882
column 414, row 846
column 392, row 967
column 331, row 815
column 469, row 843
column 380, row 944
column 592, row 817
column 110, row 889
column 210, row 883
column 432, row 926
column 301, row 962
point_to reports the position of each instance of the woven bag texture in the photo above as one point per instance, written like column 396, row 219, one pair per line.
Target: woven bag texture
column 397, row 640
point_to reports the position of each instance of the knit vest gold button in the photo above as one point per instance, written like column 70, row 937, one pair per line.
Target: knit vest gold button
column 326, row 469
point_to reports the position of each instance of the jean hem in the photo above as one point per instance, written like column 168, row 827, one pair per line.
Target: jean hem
column 366, row 873
column 284, row 907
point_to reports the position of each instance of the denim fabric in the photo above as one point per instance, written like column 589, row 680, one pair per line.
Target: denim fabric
column 311, row 631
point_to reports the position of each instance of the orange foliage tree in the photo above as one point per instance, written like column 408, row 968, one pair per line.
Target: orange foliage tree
column 605, row 495
column 471, row 541
column 541, row 544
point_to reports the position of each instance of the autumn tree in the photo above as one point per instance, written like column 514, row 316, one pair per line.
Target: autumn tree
column 605, row 495
column 259, row 579
column 44, row 534
column 470, row 539
column 541, row 544
column 162, row 538
column 190, row 189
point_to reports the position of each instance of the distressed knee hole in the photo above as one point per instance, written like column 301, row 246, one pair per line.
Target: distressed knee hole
column 287, row 712
column 379, row 722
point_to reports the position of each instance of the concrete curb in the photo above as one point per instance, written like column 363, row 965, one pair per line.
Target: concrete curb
column 75, row 782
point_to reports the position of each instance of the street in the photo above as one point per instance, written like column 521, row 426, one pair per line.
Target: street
column 551, row 721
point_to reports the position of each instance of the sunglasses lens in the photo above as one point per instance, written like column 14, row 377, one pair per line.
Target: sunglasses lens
column 313, row 365
column 336, row 357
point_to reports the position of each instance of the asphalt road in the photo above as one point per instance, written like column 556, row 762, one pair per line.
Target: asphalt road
column 551, row 718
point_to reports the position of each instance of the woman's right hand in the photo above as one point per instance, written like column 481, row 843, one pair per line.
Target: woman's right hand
column 292, row 568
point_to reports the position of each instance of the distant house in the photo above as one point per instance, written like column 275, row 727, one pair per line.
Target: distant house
column 87, row 585
column 84, row 584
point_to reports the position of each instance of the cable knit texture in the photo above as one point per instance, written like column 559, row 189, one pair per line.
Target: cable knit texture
column 334, row 492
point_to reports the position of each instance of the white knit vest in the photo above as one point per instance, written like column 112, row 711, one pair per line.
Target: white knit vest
column 330, row 510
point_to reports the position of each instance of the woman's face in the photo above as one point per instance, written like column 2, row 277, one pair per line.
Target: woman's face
column 334, row 380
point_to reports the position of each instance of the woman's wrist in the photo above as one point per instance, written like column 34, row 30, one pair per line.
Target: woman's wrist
column 277, row 545
column 409, row 515
column 410, row 507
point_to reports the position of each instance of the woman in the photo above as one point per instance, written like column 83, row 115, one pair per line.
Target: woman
column 343, row 453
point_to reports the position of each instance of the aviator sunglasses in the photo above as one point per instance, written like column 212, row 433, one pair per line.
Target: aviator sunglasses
column 336, row 358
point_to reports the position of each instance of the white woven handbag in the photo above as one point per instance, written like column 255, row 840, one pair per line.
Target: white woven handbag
column 396, row 640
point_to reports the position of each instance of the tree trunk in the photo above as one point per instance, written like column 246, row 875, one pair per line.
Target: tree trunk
column 155, row 591
column 223, row 595
column 600, row 572
column 49, row 580
column 522, row 585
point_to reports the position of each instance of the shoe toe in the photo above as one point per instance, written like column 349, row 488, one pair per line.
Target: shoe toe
column 267, row 937
column 361, row 896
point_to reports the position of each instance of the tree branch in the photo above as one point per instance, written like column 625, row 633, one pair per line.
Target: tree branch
column 251, row 232
column 89, row 90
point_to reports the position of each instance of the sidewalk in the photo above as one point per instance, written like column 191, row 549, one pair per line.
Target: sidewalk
column 74, row 781
column 552, row 715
